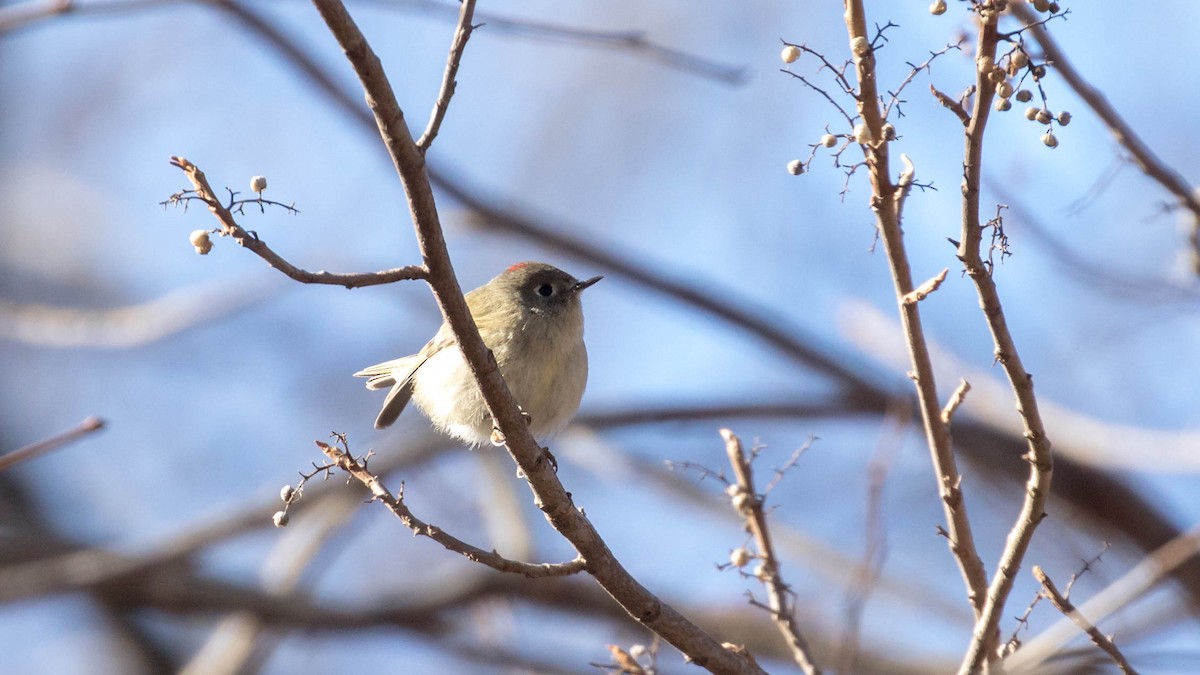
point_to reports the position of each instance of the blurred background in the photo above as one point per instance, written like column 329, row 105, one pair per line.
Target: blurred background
column 643, row 141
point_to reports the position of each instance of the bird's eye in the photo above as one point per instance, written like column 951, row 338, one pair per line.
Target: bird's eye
column 545, row 290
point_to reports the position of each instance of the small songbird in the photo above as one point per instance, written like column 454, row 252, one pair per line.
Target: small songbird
column 531, row 318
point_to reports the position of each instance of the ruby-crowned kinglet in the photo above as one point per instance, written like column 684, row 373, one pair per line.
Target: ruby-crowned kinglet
column 531, row 318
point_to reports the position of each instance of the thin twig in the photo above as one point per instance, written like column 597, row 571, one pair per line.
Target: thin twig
column 1064, row 605
column 462, row 33
column 1133, row 585
column 11, row 459
column 956, row 400
column 887, row 219
column 230, row 227
column 779, row 595
column 921, row 292
column 952, row 105
column 1037, row 487
column 358, row 469
column 550, row 495
column 895, row 100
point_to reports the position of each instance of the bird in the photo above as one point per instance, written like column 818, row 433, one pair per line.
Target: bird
column 531, row 318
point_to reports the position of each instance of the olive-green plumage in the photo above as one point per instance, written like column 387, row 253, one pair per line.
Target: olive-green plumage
column 531, row 318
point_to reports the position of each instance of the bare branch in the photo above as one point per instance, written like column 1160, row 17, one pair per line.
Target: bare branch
column 1037, row 487
column 951, row 105
column 230, row 227
column 887, row 220
column 956, row 399
column 358, row 469
column 11, row 459
column 1133, row 585
column 550, row 495
column 462, row 33
column 921, row 292
column 1064, row 605
column 750, row 507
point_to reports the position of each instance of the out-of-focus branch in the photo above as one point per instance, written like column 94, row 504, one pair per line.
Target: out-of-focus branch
column 238, row 640
column 230, row 227
column 346, row 462
column 1134, row 584
column 130, row 325
column 886, row 202
column 779, row 596
column 1037, row 487
column 550, row 495
column 462, row 33
column 11, row 459
column 631, row 41
column 1125, row 135
column 1064, row 605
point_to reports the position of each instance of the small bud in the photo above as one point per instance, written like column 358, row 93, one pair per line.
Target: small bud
column 1039, row 72
column 860, row 46
column 741, row 501
column 638, row 651
column 889, row 132
column 938, row 7
column 862, row 133
column 286, row 493
column 790, row 53
column 733, row 489
column 258, row 184
column 795, row 167
column 1053, row 7
column 1024, row 96
column 1019, row 59
column 985, row 65
column 998, row 75
column 739, row 557
column 1050, row 140
column 1041, row 5
column 1004, row 89
column 1003, row 105
column 200, row 240
column 280, row 519
column 760, row 571
column 1064, row 118
column 829, row 140
column 1031, row 113
column 1043, row 116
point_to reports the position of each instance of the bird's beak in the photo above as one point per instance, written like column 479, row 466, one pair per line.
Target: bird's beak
column 584, row 284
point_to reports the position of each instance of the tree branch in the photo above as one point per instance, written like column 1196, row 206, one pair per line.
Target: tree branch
column 230, row 227
column 358, row 469
column 1064, row 605
column 886, row 204
column 1037, row 487
column 550, row 495
column 462, row 33
column 750, row 507
column 11, row 459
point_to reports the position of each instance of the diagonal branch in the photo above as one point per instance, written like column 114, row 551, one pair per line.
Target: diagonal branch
column 462, row 33
column 886, row 202
column 1037, row 486
column 778, row 593
column 358, row 469
column 230, row 227
column 550, row 495
column 10, row 459
column 1064, row 605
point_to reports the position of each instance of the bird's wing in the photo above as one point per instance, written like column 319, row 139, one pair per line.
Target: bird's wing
column 398, row 374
